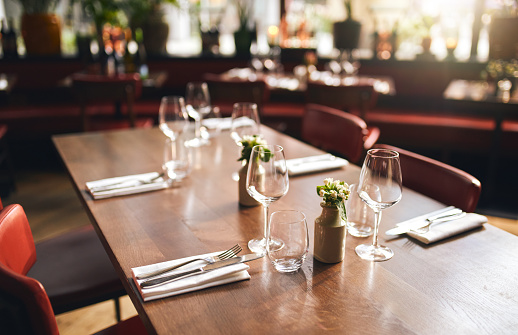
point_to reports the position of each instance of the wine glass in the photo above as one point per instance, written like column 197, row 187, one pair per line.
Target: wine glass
column 245, row 121
column 380, row 187
column 198, row 104
column 172, row 116
column 266, row 181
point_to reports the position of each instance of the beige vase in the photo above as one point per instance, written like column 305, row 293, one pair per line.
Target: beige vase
column 41, row 34
column 330, row 235
column 244, row 198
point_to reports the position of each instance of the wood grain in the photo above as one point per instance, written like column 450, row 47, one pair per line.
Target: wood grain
column 466, row 284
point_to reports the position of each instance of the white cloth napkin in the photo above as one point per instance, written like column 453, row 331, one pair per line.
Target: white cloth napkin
column 441, row 230
column 224, row 275
column 225, row 123
column 298, row 166
column 125, row 185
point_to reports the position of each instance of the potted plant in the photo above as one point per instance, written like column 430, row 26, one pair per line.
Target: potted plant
column 346, row 34
column 40, row 28
column 148, row 16
column 247, row 143
column 244, row 35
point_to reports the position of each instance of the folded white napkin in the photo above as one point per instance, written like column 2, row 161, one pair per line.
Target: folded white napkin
column 225, row 123
column 441, row 230
column 125, row 185
column 298, row 166
column 224, row 275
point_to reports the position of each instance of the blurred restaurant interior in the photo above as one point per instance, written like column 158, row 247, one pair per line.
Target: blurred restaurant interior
column 437, row 78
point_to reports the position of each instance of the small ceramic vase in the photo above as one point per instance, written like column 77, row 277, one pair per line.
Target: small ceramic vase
column 330, row 235
column 244, row 198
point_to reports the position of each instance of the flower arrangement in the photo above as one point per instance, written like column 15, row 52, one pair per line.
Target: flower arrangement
column 334, row 194
column 248, row 142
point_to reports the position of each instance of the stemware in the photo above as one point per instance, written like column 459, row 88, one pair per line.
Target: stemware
column 380, row 187
column 266, row 181
column 245, row 120
column 198, row 105
column 172, row 116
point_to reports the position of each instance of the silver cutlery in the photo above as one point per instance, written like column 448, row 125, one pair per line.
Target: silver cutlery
column 150, row 283
column 232, row 252
column 451, row 213
column 118, row 185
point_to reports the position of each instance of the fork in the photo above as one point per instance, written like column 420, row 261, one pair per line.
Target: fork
column 454, row 215
column 232, row 252
column 113, row 186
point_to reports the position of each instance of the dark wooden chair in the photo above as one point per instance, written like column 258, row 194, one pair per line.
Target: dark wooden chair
column 337, row 132
column 93, row 90
column 355, row 99
column 224, row 92
column 438, row 180
column 73, row 267
column 7, row 175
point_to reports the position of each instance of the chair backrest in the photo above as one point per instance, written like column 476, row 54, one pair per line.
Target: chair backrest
column 438, row 180
column 355, row 99
column 231, row 90
column 334, row 131
column 94, row 89
column 24, row 305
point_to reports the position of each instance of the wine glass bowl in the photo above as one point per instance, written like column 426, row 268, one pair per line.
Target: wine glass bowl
column 245, row 120
column 380, row 187
column 172, row 116
column 266, row 181
column 197, row 98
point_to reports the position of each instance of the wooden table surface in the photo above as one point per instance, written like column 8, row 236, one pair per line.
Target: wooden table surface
column 464, row 285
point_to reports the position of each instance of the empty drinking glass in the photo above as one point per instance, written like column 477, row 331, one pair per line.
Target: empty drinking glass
column 360, row 217
column 290, row 228
column 177, row 160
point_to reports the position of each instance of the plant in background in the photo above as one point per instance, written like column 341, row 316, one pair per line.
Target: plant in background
column 334, row 193
column 138, row 11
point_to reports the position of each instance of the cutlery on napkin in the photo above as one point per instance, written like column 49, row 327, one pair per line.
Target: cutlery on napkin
column 440, row 230
column 224, row 275
column 117, row 186
column 298, row 166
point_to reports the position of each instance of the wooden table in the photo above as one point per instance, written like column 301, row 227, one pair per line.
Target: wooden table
column 464, row 285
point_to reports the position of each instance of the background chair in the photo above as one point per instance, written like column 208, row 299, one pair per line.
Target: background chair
column 25, row 307
column 7, row 175
column 437, row 180
column 224, row 92
column 355, row 99
column 337, row 132
column 73, row 267
column 93, row 90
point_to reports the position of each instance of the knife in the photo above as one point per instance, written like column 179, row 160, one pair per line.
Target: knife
column 206, row 268
column 448, row 215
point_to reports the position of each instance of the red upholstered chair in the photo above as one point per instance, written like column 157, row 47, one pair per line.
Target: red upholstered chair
column 224, row 92
column 437, row 180
column 73, row 267
column 95, row 91
column 337, row 132
column 355, row 99
column 25, row 307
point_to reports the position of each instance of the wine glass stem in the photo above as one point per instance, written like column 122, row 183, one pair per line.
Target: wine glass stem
column 197, row 127
column 265, row 209
column 377, row 220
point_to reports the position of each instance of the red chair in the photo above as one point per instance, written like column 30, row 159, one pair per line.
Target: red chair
column 224, row 92
column 93, row 90
column 437, row 180
column 25, row 307
column 355, row 99
column 337, row 132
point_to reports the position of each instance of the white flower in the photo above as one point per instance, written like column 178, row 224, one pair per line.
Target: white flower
column 328, row 181
column 333, row 194
column 322, row 192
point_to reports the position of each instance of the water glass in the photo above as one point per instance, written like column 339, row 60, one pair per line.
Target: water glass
column 360, row 217
column 177, row 160
column 291, row 229
column 211, row 124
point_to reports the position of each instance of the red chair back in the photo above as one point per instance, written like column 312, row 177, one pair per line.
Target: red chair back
column 438, row 180
column 25, row 306
column 335, row 131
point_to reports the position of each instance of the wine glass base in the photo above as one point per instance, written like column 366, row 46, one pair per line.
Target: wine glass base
column 371, row 253
column 258, row 246
column 197, row 142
